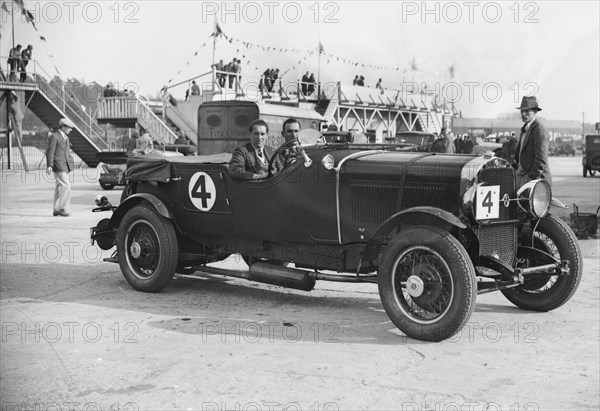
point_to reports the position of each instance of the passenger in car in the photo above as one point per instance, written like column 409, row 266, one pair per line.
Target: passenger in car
column 251, row 161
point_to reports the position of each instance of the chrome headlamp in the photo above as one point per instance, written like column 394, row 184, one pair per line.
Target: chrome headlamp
column 534, row 198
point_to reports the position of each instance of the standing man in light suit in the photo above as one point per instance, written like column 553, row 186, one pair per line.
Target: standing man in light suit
column 531, row 153
column 60, row 162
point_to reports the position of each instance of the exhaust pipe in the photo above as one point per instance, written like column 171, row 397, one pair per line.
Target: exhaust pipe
column 282, row 276
column 270, row 274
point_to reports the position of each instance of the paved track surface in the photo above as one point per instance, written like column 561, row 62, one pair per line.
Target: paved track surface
column 76, row 336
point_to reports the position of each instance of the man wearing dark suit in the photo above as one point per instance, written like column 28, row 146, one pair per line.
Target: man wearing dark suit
column 60, row 162
column 251, row 161
column 531, row 153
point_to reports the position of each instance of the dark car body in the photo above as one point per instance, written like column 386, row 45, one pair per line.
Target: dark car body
column 423, row 226
column 591, row 156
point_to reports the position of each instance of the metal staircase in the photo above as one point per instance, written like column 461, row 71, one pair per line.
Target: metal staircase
column 50, row 102
column 126, row 111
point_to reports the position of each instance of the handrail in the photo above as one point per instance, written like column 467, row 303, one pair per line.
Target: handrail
column 180, row 116
column 70, row 105
column 164, row 132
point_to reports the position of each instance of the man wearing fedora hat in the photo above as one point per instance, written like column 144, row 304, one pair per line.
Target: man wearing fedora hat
column 531, row 153
column 60, row 162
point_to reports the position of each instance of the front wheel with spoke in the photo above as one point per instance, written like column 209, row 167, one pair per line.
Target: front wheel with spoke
column 545, row 293
column 427, row 283
column 147, row 249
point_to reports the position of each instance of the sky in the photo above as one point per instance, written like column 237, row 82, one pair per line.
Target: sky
column 498, row 51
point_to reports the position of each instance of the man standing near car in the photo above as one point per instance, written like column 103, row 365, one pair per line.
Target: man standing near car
column 60, row 162
column 251, row 161
column 531, row 153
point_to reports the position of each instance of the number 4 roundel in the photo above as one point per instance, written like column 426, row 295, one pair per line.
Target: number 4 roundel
column 202, row 191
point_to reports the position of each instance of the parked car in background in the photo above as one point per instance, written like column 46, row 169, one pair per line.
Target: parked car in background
column 422, row 141
column 488, row 145
column 591, row 157
column 111, row 168
column 562, row 145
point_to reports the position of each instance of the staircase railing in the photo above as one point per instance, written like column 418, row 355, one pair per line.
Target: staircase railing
column 70, row 105
column 171, row 113
column 334, row 103
column 132, row 107
column 161, row 131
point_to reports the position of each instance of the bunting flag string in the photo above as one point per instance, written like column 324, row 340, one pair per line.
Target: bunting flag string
column 305, row 55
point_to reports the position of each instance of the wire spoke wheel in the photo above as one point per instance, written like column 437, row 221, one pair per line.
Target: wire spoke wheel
column 147, row 249
column 546, row 292
column 143, row 251
column 423, row 284
column 427, row 283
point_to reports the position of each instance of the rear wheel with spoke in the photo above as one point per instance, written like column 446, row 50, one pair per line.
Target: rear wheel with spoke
column 147, row 249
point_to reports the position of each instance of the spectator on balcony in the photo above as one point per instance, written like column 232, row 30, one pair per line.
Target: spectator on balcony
column 14, row 61
column 379, row 86
column 268, row 79
column 311, row 84
column 232, row 69
column 361, row 81
column 304, row 84
column 239, row 72
column 195, row 88
column 220, row 68
column 25, row 57
column 110, row 90
column 355, row 81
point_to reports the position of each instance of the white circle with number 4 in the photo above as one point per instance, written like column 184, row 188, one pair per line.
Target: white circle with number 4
column 202, row 191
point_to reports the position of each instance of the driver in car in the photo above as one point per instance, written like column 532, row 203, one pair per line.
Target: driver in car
column 251, row 161
column 289, row 150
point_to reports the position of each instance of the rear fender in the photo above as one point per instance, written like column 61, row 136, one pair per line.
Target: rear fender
column 134, row 200
column 431, row 216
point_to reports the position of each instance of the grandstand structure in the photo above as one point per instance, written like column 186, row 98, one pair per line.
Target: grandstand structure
column 379, row 113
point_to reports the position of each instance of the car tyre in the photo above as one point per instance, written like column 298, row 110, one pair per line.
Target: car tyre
column 555, row 237
column 585, row 171
column 427, row 283
column 147, row 249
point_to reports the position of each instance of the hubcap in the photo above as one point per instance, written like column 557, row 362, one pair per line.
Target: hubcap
column 136, row 250
column 414, row 286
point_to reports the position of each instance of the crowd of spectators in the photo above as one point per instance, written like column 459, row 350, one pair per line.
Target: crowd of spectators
column 268, row 79
column 111, row 91
column 227, row 73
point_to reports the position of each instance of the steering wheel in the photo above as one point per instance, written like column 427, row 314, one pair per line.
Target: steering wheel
column 287, row 144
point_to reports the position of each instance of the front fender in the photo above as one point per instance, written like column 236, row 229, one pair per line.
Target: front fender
column 134, row 200
column 432, row 215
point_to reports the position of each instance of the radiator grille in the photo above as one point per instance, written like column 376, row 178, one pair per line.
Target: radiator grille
column 499, row 241
column 505, row 178
column 372, row 203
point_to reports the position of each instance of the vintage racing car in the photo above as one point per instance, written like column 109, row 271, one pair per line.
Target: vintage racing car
column 432, row 230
